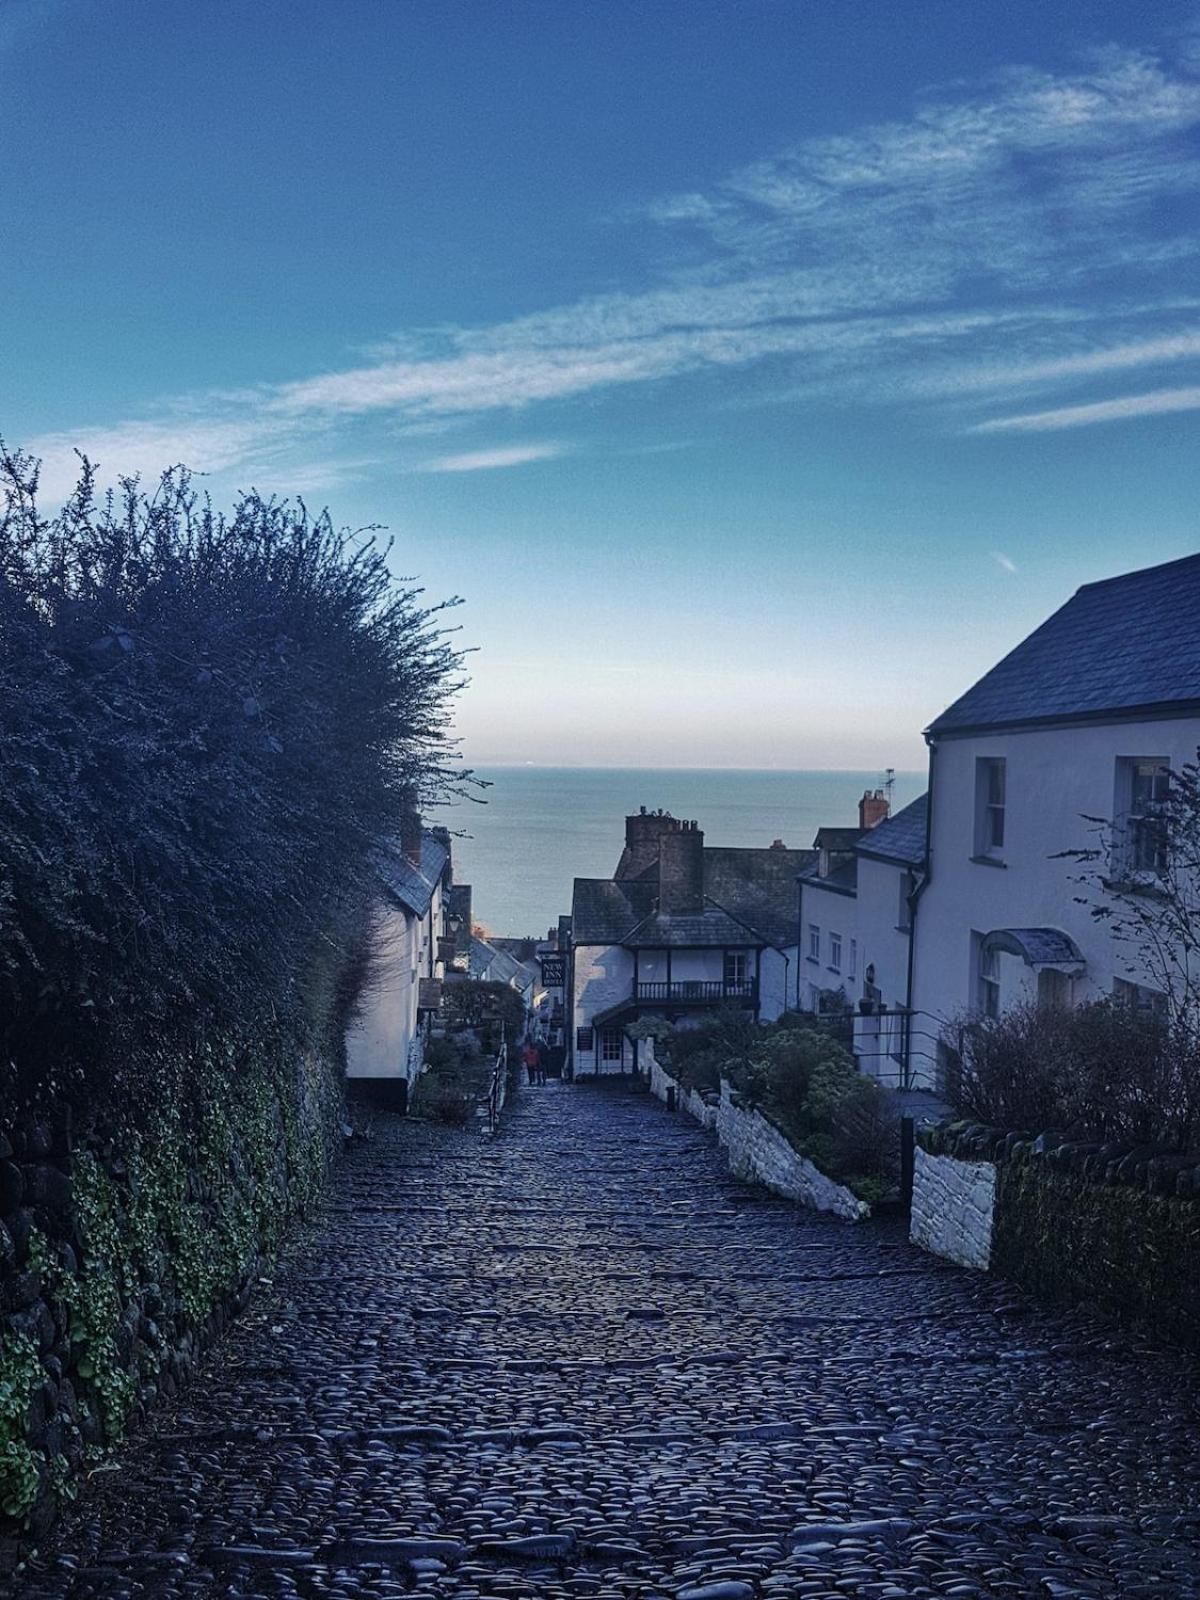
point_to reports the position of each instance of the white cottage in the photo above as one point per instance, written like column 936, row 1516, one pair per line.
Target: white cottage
column 1085, row 719
column 680, row 929
column 385, row 1042
column 856, row 922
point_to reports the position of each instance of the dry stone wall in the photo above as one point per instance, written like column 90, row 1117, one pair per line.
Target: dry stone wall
column 1110, row 1226
column 953, row 1206
column 757, row 1149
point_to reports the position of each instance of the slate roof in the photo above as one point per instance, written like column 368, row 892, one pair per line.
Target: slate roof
column 411, row 886
column 604, row 911
column 901, row 838
column 842, row 880
column 757, row 887
column 713, row 927
column 750, row 896
column 1126, row 644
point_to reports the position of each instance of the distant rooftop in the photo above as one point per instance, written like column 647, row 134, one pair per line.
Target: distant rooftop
column 1125, row 645
column 901, row 838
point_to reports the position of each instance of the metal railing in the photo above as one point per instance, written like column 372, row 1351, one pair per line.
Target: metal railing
column 699, row 990
column 498, row 1087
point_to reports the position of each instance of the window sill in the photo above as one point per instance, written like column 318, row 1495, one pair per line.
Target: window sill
column 837, row 971
column 989, row 861
column 903, row 928
column 813, row 961
column 1149, row 891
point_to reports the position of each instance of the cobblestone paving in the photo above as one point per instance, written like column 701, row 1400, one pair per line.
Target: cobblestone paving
column 582, row 1361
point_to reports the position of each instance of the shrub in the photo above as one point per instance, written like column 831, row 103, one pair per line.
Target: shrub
column 696, row 1056
column 209, row 720
column 456, row 1078
column 1098, row 1071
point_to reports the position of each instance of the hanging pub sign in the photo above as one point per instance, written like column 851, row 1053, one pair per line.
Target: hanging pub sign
column 553, row 971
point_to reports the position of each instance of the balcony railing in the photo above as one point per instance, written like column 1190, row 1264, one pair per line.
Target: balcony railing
column 698, row 991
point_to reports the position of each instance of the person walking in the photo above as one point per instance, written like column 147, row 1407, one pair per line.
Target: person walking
column 540, row 1047
column 530, row 1057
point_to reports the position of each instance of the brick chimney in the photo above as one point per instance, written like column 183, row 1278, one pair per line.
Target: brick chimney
column 410, row 833
column 642, row 833
column 872, row 809
column 681, row 870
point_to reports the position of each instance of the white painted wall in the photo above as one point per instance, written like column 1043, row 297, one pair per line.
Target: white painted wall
column 882, row 944
column 831, row 913
column 1055, row 778
column 377, row 1045
column 603, row 976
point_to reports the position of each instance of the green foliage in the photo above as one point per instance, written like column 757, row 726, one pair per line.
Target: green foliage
column 698, row 1056
column 492, row 1010
column 808, row 1084
column 20, row 1467
column 210, row 722
column 457, row 1076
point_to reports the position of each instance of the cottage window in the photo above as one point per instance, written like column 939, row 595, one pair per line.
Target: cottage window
column 835, row 951
column 853, row 966
column 990, row 786
column 814, row 942
column 612, row 1044
column 989, row 980
column 735, row 966
column 1140, row 843
column 1137, row 997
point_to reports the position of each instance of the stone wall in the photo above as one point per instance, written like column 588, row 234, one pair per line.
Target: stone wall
column 123, row 1256
column 1114, row 1227
column 662, row 1086
column 953, row 1205
column 758, row 1150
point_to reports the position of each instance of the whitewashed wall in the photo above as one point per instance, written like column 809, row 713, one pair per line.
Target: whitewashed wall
column 757, row 1150
column 603, row 975
column 377, row 1045
column 1055, row 778
column 953, row 1207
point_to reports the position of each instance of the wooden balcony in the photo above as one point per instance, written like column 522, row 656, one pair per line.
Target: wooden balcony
column 698, row 992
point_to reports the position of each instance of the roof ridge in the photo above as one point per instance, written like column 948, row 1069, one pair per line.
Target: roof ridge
column 741, row 921
column 1138, row 572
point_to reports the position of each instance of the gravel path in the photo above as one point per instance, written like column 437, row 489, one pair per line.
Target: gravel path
column 583, row 1361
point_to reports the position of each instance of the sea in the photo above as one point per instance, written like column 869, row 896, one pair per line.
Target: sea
column 535, row 829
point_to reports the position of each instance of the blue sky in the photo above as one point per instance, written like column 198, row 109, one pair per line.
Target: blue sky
column 758, row 373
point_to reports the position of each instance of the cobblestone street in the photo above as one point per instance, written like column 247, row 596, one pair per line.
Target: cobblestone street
column 581, row 1360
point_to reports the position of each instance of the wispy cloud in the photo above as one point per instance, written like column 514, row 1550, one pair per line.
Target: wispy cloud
column 1013, row 234
column 1004, row 561
column 1159, row 403
column 516, row 455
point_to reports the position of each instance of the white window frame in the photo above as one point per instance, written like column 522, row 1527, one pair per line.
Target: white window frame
column 987, row 979
column 852, row 968
column 991, row 805
column 814, row 942
column 736, row 966
column 835, row 952
column 1139, row 997
column 1139, row 843
column 612, row 1044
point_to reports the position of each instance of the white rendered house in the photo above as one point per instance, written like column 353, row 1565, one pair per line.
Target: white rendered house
column 385, row 1042
column 1083, row 720
column 679, row 931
